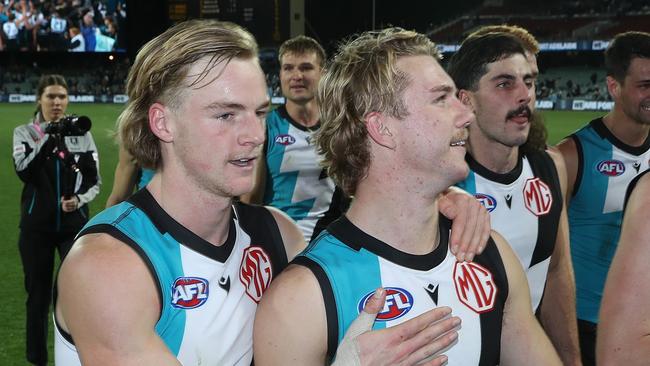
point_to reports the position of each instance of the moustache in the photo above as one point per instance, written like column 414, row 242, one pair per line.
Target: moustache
column 523, row 109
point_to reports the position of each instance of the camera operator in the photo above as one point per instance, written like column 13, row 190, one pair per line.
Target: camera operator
column 56, row 158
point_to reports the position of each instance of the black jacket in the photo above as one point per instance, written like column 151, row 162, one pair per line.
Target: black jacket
column 49, row 169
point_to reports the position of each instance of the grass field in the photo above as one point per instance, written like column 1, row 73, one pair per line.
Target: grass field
column 12, row 311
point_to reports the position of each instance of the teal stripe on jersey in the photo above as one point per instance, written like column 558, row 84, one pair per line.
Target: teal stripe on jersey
column 163, row 253
column 281, row 185
column 145, row 177
column 469, row 184
column 352, row 274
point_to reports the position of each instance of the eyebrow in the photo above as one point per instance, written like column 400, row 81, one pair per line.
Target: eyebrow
column 529, row 75
column 442, row 88
column 237, row 106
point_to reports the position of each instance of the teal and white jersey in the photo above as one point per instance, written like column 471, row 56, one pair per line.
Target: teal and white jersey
column 350, row 265
column 525, row 206
column 209, row 294
column 296, row 183
column 606, row 167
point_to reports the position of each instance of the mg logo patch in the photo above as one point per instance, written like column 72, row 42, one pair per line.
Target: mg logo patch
column 537, row 197
column 189, row 292
column 475, row 286
column 398, row 303
column 255, row 272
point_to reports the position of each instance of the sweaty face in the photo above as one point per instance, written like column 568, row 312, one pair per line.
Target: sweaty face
column 504, row 101
column 431, row 138
column 219, row 127
column 634, row 93
column 299, row 76
column 53, row 102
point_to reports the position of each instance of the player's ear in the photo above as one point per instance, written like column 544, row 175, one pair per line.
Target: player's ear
column 465, row 97
column 378, row 131
column 613, row 87
column 160, row 123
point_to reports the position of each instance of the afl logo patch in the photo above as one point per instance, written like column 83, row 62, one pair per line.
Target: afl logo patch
column 189, row 292
column 398, row 303
column 611, row 168
column 475, row 286
column 487, row 201
column 255, row 272
column 285, row 140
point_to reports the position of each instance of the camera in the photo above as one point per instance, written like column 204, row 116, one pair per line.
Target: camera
column 69, row 126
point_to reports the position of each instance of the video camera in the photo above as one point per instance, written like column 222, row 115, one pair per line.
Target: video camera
column 72, row 125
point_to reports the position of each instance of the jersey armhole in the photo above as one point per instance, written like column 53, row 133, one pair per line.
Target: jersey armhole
column 330, row 303
column 580, row 170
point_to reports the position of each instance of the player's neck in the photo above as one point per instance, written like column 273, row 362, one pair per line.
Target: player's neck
column 396, row 215
column 492, row 155
column 305, row 113
column 625, row 128
column 201, row 212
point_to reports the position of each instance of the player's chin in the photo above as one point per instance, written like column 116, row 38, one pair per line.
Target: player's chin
column 459, row 171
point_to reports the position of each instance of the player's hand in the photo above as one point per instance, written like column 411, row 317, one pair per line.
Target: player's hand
column 470, row 227
column 69, row 205
column 416, row 341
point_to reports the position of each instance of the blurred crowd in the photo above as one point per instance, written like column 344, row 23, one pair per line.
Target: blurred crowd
column 62, row 25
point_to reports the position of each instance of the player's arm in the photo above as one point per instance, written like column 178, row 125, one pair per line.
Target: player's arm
column 558, row 307
column 294, row 241
column 109, row 304
column 470, row 222
column 291, row 329
column 523, row 342
column 256, row 196
column 569, row 151
column 624, row 328
column 126, row 173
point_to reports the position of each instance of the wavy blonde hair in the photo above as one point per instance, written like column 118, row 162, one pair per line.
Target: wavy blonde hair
column 360, row 79
column 159, row 75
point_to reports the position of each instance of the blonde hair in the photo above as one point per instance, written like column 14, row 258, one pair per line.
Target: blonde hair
column 362, row 78
column 159, row 72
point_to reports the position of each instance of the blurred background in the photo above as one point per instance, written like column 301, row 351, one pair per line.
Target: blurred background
column 42, row 36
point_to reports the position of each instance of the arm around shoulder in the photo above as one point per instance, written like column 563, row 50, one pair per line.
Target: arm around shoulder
column 108, row 302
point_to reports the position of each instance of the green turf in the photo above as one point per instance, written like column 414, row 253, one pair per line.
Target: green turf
column 12, row 311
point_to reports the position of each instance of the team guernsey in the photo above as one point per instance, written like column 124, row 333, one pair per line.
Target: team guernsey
column 350, row 265
column 525, row 206
column 606, row 167
column 208, row 294
column 296, row 183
